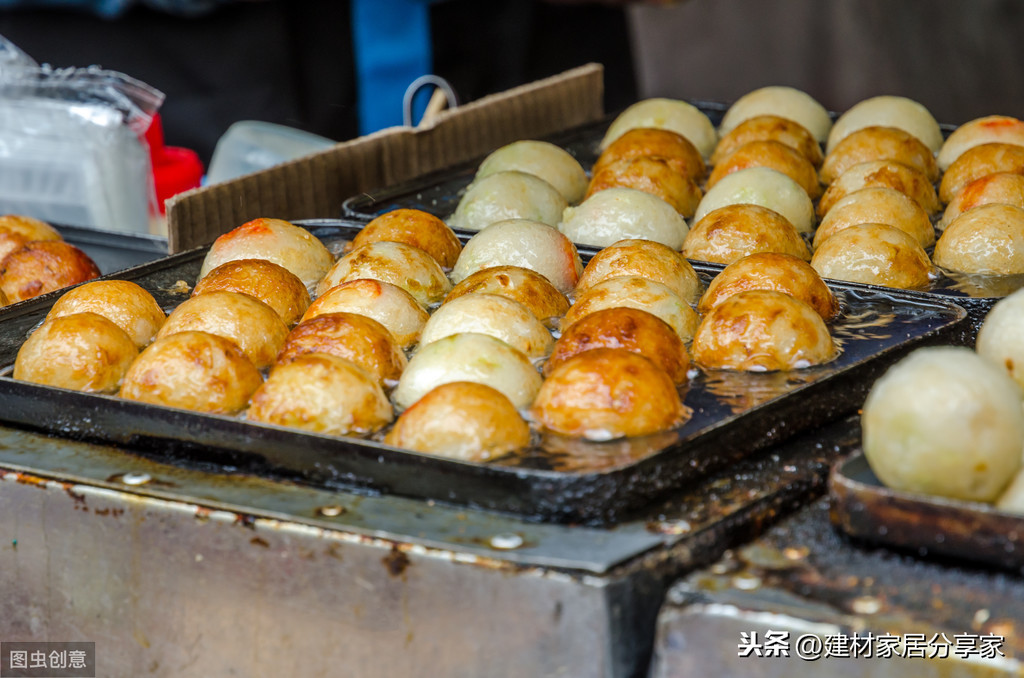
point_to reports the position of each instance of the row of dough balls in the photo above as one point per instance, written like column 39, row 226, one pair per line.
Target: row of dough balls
column 35, row 259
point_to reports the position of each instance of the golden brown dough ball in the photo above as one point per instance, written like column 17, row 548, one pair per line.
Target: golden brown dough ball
column 629, row 328
column 16, row 230
column 492, row 314
column 128, row 305
column 770, row 128
column 675, row 149
column 774, row 154
column 80, row 351
column 672, row 114
column 608, row 393
column 252, row 325
column 276, row 240
column 321, row 393
column 193, row 371
column 409, row 267
column 635, row 292
column 650, row 175
column 772, row 271
column 413, row 227
column 3, row 298
column 1002, row 188
column 388, row 304
column 356, row 338
column 978, row 162
column 987, row 239
column 762, row 330
column 877, row 206
column 735, row 231
column 261, row 279
column 874, row 254
column 461, row 420
column 526, row 286
column 644, row 259
column 881, row 174
column 42, row 266
column 879, row 143
column 987, row 130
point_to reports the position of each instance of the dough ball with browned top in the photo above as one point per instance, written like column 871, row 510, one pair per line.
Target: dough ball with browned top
column 875, row 254
column 524, row 285
column 491, row 314
column 1001, row 129
column 889, row 111
column 881, row 174
column 276, row 240
column 773, row 154
column 978, row 162
column 735, row 231
column 986, row 240
column 674, row 149
column 1001, row 188
column 635, row 292
column 261, row 279
column 413, row 227
column 409, row 267
column 42, row 266
column 507, row 195
column 879, row 143
column 127, row 304
column 388, row 304
column 650, row 175
column 644, row 259
column 877, row 206
column 354, row 337
column 770, row 128
column 543, row 159
column 785, row 102
column 676, row 115
column 16, row 230
column 762, row 186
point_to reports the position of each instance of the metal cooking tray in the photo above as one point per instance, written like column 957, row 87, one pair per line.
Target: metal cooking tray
column 865, row 509
column 561, row 480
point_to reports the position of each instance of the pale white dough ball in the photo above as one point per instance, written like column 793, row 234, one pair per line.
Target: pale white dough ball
column 616, row 214
column 785, row 102
column 765, row 187
column 675, row 115
column 507, row 195
column 543, row 159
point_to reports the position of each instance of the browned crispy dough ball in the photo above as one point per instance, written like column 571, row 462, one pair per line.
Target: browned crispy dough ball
column 524, row 285
column 879, row 143
column 461, row 420
column 277, row 240
column 193, row 371
column 252, row 325
column 875, row 254
column 16, row 230
column 322, row 393
column 629, row 328
column 772, row 271
column 356, row 338
column 81, row 351
column 978, row 162
column 877, row 206
column 774, row 154
column 128, row 305
column 608, row 393
column 3, row 298
column 678, row 151
column 762, row 330
column 770, row 128
column 881, row 174
column 409, row 267
column 42, row 266
column 413, row 227
column 635, row 292
column 1001, row 188
column 645, row 259
column 274, row 285
column 650, row 175
column 735, row 231
column 987, row 239
column 388, row 304
column 989, row 129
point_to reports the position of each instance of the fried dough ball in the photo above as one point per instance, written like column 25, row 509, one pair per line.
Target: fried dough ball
column 770, row 128
column 735, row 231
column 629, row 328
column 874, row 254
column 507, row 195
column 977, row 162
column 1001, row 337
column 461, row 420
column 252, row 325
column 491, row 314
column 676, row 150
column 1000, row 129
column 3, row 298
column 276, row 240
column 879, row 143
column 469, row 357
column 987, row 239
column 42, row 266
column 413, row 227
column 672, row 114
column 765, row 187
column 944, row 421
column 785, row 102
column 634, row 292
column 322, row 393
column 877, row 206
column 126, row 304
column 645, row 259
column 356, row 338
column 1003, row 188
column 772, row 271
column 409, row 267
column 1012, row 498
column 80, row 351
column 608, row 393
column 194, row 371
column 773, row 154
column 16, row 230
column 881, row 174
column 262, row 279
column 888, row 111
column 388, row 304
column 526, row 286
column 618, row 213
column 650, row 175
column 542, row 159
column 762, row 330
column 524, row 243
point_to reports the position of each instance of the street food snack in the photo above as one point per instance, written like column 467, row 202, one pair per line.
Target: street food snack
column 127, row 304
column 403, row 265
column 877, row 206
column 507, row 195
column 773, row 154
column 987, row 239
column 676, row 150
column 388, row 304
column 356, row 338
column 542, row 159
column 770, row 128
column 765, row 187
column 672, row 114
column 635, row 292
column 881, row 174
column 41, row 266
column 888, row 111
column 785, row 102
column 16, row 230
column 650, row 175
column 1004, row 188
column 618, row 213
column 645, row 259
column 1001, row 336
column 526, row 286
column 977, row 162
column 735, row 231
column 261, row 279
column 879, row 143
column 277, row 240
column 875, row 254
column 1001, row 129
column 492, row 314
column 413, row 227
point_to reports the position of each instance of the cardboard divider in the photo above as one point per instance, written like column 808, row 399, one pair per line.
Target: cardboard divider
column 315, row 186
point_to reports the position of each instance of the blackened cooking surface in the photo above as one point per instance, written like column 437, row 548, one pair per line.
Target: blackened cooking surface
column 734, row 414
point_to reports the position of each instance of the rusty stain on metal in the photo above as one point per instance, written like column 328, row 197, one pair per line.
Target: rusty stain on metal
column 395, row 562
column 245, row 520
column 260, row 541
